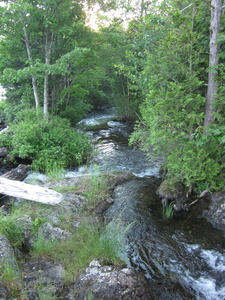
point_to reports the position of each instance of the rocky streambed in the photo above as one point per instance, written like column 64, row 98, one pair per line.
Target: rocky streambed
column 26, row 274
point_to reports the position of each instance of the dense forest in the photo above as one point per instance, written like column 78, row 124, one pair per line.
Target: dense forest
column 159, row 63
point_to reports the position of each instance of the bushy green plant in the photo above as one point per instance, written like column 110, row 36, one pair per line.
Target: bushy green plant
column 76, row 112
column 2, row 109
column 51, row 143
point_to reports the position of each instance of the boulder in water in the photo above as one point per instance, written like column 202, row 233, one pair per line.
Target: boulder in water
column 215, row 213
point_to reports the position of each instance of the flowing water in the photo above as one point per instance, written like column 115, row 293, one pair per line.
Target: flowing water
column 185, row 250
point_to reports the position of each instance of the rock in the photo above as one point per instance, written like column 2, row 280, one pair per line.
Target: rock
column 25, row 223
column 4, row 157
column 170, row 191
column 107, row 282
column 49, row 232
column 7, row 256
column 3, row 152
column 4, row 293
column 19, row 173
column 42, row 278
column 173, row 192
column 215, row 213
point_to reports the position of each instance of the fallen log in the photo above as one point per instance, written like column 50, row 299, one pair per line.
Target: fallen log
column 29, row 192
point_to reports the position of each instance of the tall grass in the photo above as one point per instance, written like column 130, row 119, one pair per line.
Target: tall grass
column 168, row 211
column 88, row 243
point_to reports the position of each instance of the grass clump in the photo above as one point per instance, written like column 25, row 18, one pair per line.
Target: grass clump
column 10, row 228
column 75, row 253
column 95, row 187
column 168, row 211
column 12, row 280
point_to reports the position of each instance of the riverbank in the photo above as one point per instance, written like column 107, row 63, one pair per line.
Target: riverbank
column 67, row 251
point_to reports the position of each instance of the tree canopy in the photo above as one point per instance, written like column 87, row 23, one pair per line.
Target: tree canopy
column 160, row 63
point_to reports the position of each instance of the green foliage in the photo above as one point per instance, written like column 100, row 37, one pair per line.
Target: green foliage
column 12, row 230
column 2, row 109
column 42, row 247
column 74, row 113
column 168, row 211
column 12, row 280
column 173, row 111
column 51, row 144
column 95, row 187
column 36, row 224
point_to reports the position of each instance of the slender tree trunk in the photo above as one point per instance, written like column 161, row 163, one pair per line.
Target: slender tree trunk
column 48, row 50
column 216, row 12
column 34, row 81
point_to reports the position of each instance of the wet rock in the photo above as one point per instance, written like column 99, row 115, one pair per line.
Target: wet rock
column 170, row 191
column 19, row 173
column 102, row 207
column 107, row 282
column 173, row 192
column 215, row 213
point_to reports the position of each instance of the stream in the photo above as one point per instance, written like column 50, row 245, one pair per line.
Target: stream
column 185, row 250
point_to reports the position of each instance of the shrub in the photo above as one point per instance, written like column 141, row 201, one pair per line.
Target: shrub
column 50, row 143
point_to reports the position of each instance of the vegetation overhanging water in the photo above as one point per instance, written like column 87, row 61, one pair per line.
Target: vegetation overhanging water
column 185, row 249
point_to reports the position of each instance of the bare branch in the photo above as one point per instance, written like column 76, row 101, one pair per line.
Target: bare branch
column 187, row 7
column 201, row 196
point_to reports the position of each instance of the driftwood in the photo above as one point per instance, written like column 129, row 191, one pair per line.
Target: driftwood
column 28, row 191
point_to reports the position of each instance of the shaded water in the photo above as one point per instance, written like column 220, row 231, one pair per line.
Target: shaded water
column 186, row 250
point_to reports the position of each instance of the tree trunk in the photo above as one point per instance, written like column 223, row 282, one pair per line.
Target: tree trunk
column 34, row 81
column 48, row 50
column 216, row 12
